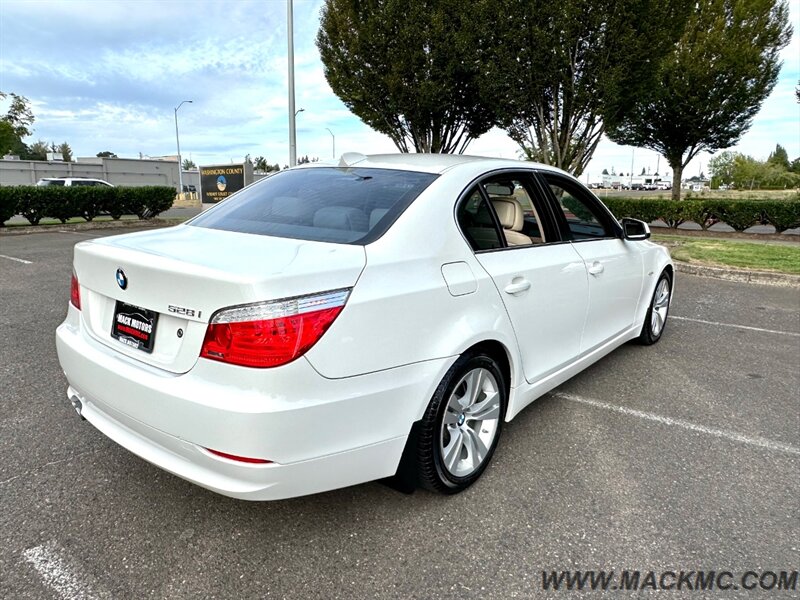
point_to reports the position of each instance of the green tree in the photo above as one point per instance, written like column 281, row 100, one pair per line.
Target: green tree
column 188, row 164
column 106, row 154
column 721, row 168
column 564, row 71
column 66, row 151
column 780, row 157
column 38, row 150
column 414, row 70
column 712, row 84
column 19, row 114
column 8, row 138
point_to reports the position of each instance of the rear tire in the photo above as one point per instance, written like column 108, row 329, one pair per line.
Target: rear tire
column 656, row 319
column 461, row 427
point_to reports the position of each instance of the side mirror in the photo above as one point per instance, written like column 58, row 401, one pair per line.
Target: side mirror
column 635, row 229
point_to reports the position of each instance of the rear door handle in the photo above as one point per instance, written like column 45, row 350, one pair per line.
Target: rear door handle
column 596, row 268
column 517, row 287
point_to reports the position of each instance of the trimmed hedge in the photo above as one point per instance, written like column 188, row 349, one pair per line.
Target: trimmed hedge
column 63, row 203
column 739, row 214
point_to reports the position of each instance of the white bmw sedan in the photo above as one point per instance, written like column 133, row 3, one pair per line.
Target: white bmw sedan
column 332, row 325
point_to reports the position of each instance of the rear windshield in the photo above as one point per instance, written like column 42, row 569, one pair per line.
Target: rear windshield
column 323, row 204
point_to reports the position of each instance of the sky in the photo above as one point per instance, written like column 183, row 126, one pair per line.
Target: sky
column 108, row 74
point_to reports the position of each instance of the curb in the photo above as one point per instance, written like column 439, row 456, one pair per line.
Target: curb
column 738, row 275
column 91, row 226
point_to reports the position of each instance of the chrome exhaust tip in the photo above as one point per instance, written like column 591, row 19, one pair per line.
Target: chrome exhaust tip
column 76, row 404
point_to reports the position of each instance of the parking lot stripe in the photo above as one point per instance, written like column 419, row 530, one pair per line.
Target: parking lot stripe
column 56, row 572
column 20, row 260
column 791, row 333
column 720, row 433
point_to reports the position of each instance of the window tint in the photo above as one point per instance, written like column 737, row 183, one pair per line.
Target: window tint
column 78, row 182
column 584, row 218
column 326, row 204
column 477, row 223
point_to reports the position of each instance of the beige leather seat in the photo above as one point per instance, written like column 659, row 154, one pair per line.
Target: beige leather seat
column 509, row 211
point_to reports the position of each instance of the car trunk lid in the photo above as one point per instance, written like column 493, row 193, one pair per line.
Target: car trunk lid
column 180, row 276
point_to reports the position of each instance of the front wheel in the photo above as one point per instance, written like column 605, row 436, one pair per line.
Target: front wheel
column 656, row 318
column 462, row 425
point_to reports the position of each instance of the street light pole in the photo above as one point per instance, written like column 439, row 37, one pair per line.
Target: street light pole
column 178, row 141
column 292, row 113
column 333, row 141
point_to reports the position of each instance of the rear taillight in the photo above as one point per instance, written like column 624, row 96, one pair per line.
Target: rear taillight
column 270, row 334
column 75, row 292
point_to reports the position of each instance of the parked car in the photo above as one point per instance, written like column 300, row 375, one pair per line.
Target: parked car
column 328, row 326
column 72, row 181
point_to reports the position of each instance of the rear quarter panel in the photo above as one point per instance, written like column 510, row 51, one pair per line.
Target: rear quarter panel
column 401, row 310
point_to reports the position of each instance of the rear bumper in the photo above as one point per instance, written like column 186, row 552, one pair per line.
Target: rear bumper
column 320, row 433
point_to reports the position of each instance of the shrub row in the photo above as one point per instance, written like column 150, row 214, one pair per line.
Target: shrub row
column 63, row 203
column 739, row 214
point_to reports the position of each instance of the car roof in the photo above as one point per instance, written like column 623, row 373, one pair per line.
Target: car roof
column 425, row 162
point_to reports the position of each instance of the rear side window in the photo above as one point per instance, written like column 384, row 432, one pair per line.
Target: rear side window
column 50, row 182
column 324, row 204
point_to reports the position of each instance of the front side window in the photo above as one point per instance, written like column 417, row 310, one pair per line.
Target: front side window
column 585, row 220
column 324, row 204
column 515, row 210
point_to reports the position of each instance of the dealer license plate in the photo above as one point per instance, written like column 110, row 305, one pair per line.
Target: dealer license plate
column 134, row 326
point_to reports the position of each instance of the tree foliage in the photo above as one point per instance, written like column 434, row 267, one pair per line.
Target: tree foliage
column 188, row 164
column 19, row 114
column 568, row 69
column 415, row 70
column 780, row 157
column 38, row 150
column 106, row 154
column 712, row 84
column 261, row 165
column 746, row 172
column 65, row 150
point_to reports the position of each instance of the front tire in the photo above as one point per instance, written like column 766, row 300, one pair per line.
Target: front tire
column 462, row 425
column 656, row 319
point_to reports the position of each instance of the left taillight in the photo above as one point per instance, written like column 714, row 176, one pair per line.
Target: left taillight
column 270, row 334
column 75, row 292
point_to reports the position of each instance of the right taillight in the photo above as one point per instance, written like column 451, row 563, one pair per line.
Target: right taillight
column 270, row 334
column 75, row 292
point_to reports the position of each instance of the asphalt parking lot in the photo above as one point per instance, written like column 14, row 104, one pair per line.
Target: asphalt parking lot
column 681, row 456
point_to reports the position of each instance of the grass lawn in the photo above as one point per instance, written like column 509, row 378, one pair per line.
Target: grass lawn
column 743, row 255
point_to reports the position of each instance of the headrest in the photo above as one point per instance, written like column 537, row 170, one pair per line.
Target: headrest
column 509, row 211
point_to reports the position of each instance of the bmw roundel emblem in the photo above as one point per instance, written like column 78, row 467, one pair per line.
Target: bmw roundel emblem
column 122, row 279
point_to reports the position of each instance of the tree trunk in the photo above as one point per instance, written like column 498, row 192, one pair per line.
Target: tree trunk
column 677, row 174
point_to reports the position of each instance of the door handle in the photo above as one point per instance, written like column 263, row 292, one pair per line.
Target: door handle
column 518, row 287
column 596, row 268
